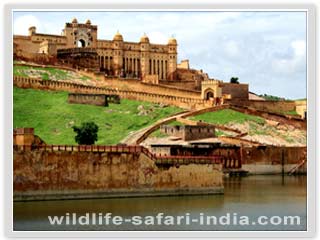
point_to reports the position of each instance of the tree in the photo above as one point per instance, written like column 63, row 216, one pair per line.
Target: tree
column 234, row 80
column 87, row 133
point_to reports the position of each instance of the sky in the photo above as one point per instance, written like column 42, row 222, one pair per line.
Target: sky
column 267, row 50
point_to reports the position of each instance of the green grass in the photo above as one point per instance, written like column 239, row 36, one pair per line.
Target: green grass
column 227, row 115
column 85, row 78
column 293, row 112
column 52, row 117
column 158, row 134
column 45, row 73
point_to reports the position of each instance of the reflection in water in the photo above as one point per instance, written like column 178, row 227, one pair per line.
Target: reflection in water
column 250, row 196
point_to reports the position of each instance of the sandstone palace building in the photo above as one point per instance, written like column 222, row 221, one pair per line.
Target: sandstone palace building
column 78, row 47
column 79, row 44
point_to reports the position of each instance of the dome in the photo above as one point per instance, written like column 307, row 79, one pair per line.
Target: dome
column 88, row 22
column 74, row 20
column 144, row 39
column 172, row 41
column 118, row 37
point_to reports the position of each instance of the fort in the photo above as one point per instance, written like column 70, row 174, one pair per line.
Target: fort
column 194, row 158
column 140, row 66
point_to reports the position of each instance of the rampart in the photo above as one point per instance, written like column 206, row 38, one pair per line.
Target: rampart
column 44, row 174
column 269, row 106
column 237, row 91
column 183, row 102
column 137, row 85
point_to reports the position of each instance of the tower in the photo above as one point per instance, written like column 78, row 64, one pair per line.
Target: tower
column 144, row 47
column 80, row 34
column 172, row 62
column 117, row 54
column 32, row 30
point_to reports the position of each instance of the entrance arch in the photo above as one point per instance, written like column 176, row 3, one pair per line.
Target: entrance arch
column 81, row 43
column 209, row 95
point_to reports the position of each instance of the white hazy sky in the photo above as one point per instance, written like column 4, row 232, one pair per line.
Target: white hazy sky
column 265, row 49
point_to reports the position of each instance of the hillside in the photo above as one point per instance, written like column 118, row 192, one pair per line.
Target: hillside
column 258, row 129
column 53, row 73
column 52, row 117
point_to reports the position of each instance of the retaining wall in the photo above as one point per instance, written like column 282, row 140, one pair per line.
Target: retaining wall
column 44, row 175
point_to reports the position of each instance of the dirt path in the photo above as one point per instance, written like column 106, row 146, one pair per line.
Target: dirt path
column 142, row 134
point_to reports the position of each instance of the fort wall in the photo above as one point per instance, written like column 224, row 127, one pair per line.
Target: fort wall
column 273, row 160
column 44, row 175
column 237, row 91
column 183, row 102
column 137, row 85
column 269, row 106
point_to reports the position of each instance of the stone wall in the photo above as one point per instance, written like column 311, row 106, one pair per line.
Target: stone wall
column 237, row 91
column 151, row 79
column 268, row 106
column 183, row 102
column 42, row 174
column 301, row 108
column 92, row 99
column 273, row 160
column 137, row 85
column 83, row 58
column 256, row 159
column 189, row 132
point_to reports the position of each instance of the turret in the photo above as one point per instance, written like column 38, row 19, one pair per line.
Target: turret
column 118, row 53
column 172, row 63
column 144, row 58
column 32, row 30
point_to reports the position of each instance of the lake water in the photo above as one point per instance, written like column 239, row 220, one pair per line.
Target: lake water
column 250, row 196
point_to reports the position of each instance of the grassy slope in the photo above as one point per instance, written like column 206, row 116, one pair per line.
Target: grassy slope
column 227, row 115
column 52, row 117
column 46, row 73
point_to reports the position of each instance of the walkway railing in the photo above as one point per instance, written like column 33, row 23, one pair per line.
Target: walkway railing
column 161, row 160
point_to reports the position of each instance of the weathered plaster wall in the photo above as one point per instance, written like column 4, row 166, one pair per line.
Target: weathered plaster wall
column 41, row 171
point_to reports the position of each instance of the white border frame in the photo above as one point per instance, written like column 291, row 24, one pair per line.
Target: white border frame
column 143, row 5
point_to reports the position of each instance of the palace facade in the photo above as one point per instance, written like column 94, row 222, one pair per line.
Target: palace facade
column 115, row 57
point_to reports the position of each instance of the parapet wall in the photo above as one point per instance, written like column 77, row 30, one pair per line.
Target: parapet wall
column 183, row 102
column 237, row 91
column 137, row 85
column 40, row 175
column 269, row 106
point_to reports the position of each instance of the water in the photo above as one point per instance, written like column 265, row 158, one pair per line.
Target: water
column 251, row 196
